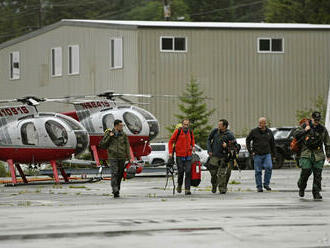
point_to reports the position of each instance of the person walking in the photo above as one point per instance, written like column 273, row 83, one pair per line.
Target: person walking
column 312, row 136
column 262, row 146
column 219, row 165
column 116, row 142
column 182, row 142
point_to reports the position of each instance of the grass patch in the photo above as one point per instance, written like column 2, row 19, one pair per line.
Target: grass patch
column 234, row 182
column 77, row 187
column 56, row 186
column 151, row 195
column 24, row 204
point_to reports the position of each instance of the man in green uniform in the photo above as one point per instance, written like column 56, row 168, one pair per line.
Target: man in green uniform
column 116, row 142
column 312, row 135
column 219, row 166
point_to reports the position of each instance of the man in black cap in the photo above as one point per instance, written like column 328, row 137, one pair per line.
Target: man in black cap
column 312, row 136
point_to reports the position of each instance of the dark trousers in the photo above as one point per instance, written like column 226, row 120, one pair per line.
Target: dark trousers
column 184, row 167
column 117, row 167
column 309, row 166
column 220, row 174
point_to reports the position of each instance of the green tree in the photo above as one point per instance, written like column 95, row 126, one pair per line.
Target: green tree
column 226, row 10
column 298, row 11
column 319, row 105
column 193, row 107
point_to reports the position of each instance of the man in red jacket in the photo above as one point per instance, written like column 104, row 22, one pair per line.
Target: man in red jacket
column 182, row 142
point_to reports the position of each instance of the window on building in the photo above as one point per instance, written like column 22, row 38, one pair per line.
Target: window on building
column 73, row 59
column 56, row 61
column 270, row 45
column 173, row 44
column 116, row 53
column 14, row 65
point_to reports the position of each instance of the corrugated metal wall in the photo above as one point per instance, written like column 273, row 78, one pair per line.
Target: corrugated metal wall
column 95, row 75
column 244, row 84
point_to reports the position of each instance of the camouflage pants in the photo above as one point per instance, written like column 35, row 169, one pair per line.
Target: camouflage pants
column 309, row 166
column 117, row 167
column 220, row 171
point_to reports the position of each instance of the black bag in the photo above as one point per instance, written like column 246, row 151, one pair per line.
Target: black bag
column 170, row 161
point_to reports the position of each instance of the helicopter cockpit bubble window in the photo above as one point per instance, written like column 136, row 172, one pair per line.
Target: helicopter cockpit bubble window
column 56, row 132
column 70, row 123
column 82, row 142
column 154, row 129
column 145, row 114
column 108, row 121
column 132, row 122
column 29, row 134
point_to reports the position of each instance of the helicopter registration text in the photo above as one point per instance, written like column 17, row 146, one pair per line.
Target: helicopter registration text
column 96, row 104
column 10, row 111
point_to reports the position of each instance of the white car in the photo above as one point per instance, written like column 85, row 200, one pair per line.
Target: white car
column 159, row 154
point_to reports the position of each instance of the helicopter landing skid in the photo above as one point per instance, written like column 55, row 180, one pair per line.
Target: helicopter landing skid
column 90, row 180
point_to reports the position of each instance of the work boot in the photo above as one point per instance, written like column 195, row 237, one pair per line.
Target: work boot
column 222, row 191
column 179, row 189
column 187, row 192
column 267, row 187
column 260, row 190
column 301, row 192
column 116, row 194
column 214, row 189
column 317, row 196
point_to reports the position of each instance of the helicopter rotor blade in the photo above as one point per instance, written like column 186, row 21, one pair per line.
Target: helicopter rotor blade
column 8, row 100
column 135, row 95
column 125, row 100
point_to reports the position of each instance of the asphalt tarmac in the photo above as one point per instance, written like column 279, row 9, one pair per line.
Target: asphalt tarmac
column 86, row 215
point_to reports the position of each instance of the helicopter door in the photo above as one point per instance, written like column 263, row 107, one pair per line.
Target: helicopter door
column 107, row 121
column 56, row 132
column 29, row 134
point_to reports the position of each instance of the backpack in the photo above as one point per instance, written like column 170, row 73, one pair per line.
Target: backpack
column 295, row 144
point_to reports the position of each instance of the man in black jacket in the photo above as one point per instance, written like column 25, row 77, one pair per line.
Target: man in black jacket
column 262, row 146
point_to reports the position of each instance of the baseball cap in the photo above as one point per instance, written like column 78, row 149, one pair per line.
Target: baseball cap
column 316, row 116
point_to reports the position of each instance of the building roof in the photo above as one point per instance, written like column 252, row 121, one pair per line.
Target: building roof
column 165, row 24
column 220, row 25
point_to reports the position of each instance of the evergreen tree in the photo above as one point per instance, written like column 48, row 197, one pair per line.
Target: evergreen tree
column 193, row 107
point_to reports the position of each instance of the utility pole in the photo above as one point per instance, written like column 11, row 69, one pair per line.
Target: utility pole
column 40, row 14
column 167, row 10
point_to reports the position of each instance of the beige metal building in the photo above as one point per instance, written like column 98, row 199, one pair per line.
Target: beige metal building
column 250, row 69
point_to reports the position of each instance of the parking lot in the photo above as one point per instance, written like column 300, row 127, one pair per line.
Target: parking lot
column 86, row 215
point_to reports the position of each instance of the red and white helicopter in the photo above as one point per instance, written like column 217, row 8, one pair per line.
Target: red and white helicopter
column 98, row 114
column 28, row 136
